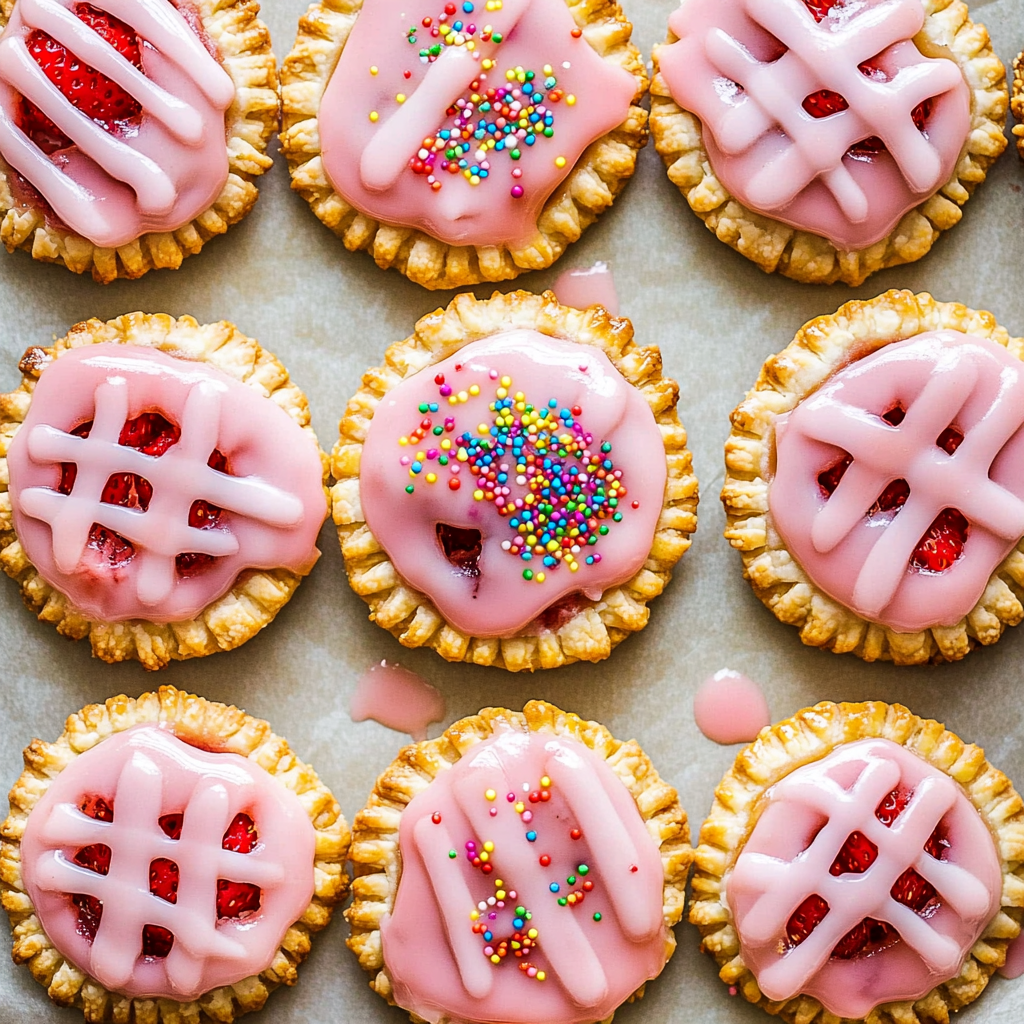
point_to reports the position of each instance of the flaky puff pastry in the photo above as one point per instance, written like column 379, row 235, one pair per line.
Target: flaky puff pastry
column 410, row 615
column 808, row 257
column 211, row 726
column 243, row 46
column 377, row 859
column 597, row 178
column 808, row 736
column 820, row 348
column 257, row 595
column 1017, row 101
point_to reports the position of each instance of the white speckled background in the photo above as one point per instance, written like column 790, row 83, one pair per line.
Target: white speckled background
column 283, row 277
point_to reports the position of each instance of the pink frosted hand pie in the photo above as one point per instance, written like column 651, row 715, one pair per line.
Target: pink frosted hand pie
column 522, row 867
column 130, row 130
column 462, row 142
column 860, row 863
column 513, row 484
column 874, row 480
column 164, row 489
column 168, row 857
column 827, row 139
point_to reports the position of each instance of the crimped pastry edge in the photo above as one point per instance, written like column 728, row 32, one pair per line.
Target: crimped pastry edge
column 811, row 258
column 219, row 726
column 410, row 615
column 376, row 857
column 598, row 176
column 1017, row 102
column 257, row 595
column 821, row 347
column 243, row 42
column 808, row 736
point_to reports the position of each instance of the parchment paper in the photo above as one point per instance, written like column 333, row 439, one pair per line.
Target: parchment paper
column 284, row 278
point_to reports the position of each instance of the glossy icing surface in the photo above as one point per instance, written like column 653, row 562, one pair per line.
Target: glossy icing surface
column 518, row 471
column 730, row 708
column 155, row 175
column 396, row 698
column 794, row 854
column 837, row 125
column 530, row 889
column 936, row 386
column 269, row 501
column 143, row 774
column 462, row 119
column 588, row 286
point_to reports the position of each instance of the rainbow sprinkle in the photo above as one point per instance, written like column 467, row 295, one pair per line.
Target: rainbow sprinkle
column 573, row 490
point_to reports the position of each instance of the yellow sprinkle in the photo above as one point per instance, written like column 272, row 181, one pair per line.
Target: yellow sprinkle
column 552, row 544
column 487, row 64
column 498, row 883
column 478, row 495
column 539, row 577
column 421, row 456
column 471, row 45
column 400, row 97
column 545, row 782
column 573, row 566
column 403, row 440
column 483, row 429
column 532, row 933
column 474, row 389
column 489, row 846
column 446, row 445
column 520, row 397
column 490, row 794
column 520, row 807
column 495, row 959
column 473, row 915
column 559, row 161
column 462, row 455
column 373, row 69
column 502, row 392
column 547, row 69
column 571, row 100
column 500, row 894
column 431, row 478
column 541, row 975
column 485, row 856
column 452, row 400
column 463, row 397
column 374, row 116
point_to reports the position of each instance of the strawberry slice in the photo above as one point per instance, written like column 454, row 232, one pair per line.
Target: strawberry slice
column 97, row 96
column 156, row 942
column 821, row 8
column 235, row 899
column 163, row 879
column 805, row 919
column 202, row 516
column 942, row 544
column 856, row 856
column 96, row 858
column 864, row 939
column 824, row 103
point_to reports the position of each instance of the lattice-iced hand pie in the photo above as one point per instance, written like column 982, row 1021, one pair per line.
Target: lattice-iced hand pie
column 130, row 130
column 827, row 139
column 513, row 484
column 462, row 142
column 860, row 863
column 522, row 867
column 166, row 858
column 163, row 486
column 874, row 480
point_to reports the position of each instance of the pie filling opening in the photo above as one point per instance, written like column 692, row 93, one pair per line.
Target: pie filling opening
column 461, row 547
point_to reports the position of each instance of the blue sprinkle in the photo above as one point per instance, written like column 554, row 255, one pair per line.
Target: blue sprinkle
column 432, row 407
column 531, row 837
column 553, row 887
column 467, row 7
column 417, row 466
column 518, row 923
column 488, row 936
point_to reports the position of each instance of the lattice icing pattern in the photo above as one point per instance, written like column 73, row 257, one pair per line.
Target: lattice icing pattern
column 528, row 874
column 517, row 472
column 262, row 511
column 833, row 122
column 154, row 174
column 867, row 879
column 461, row 119
column 142, row 775
column 898, row 484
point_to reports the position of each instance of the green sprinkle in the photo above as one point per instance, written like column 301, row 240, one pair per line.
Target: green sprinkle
column 597, row 917
column 583, row 869
column 452, row 854
column 571, row 879
column 562, row 901
column 527, row 573
column 603, row 530
column 409, row 489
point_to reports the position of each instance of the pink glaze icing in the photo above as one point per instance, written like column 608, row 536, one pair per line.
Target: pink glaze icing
column 608, row 420
column 746, row 67
column 941, row 379
column 730, row 708
column 588, row 286
column 387, row 157
column 144, row 773
column 272, row 495
column 113, row 188
column 804, row 825
column 396, row 698
column 489, row 849
column 1014, row 965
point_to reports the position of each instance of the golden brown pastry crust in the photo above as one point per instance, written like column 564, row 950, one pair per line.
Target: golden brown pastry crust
column 808, row 736
column 599, row 175
column 410, row 615
column 1017, row 101
column 257, row 595
column 376, row 857
column 214, row 726
column 243, row 43
column 810, row 258
column 820, row 348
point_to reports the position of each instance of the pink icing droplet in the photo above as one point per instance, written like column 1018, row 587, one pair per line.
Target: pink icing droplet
column 730, row 708
column 581, row 287
column 1014, row 966
column 396, row 698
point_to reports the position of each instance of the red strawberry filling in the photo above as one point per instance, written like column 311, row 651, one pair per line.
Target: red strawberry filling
column 151, row 434
column 461, row 547
column 234, row 899
column 943, row 541
column 97, row 96
column 858, row 853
